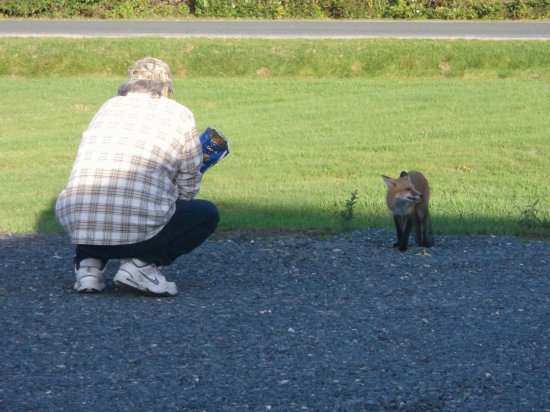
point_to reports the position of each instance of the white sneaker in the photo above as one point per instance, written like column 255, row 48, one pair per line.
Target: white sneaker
column 89, row 277
column 135, row 275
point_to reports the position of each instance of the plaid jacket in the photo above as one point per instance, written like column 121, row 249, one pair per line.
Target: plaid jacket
column 138, row 155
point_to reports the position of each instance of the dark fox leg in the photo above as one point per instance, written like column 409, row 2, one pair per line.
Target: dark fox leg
column 405, row 236
column 427, row 234
column 423, row 230
column 396, row 220
column 419, row 229
column 403, row 226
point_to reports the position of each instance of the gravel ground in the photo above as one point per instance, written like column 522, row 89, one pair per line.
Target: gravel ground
column 344, row 323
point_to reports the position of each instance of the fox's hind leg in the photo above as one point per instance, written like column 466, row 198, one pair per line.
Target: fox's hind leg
column 423, row 229
column 427, row 235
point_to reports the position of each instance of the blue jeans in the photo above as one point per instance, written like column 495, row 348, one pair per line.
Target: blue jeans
column 193, row 222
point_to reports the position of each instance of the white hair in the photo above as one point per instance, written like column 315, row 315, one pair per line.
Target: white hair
column 154, row 88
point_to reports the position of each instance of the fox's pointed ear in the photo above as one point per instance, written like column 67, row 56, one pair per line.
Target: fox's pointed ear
column 389, row 181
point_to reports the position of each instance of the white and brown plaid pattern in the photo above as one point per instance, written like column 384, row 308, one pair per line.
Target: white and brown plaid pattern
column 138, row 155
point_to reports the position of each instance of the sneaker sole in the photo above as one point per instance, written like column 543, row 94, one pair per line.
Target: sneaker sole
column 89, row 287
column 89, row 290
column 128, row 287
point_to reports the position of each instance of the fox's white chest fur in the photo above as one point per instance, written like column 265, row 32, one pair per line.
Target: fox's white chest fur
column 402, row 206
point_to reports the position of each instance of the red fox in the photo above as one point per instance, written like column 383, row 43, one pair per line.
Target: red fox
column 407, row 199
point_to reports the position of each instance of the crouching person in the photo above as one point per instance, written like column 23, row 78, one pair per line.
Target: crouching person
column 131, row 191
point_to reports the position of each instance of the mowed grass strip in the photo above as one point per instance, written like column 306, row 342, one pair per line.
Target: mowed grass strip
column 253, row 58
column 301, row 146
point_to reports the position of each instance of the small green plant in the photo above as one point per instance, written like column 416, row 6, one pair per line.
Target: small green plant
column 530, row 216
column 346, row 213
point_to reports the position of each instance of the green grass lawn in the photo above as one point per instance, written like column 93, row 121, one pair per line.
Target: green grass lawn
column 301, row 146
column 253, row 58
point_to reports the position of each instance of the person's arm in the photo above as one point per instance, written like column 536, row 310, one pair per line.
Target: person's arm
column 189, row 177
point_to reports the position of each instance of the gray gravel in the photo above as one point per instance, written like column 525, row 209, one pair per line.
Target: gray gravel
column 344, row 323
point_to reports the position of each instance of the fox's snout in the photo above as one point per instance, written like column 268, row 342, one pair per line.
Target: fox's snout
column 415, row 197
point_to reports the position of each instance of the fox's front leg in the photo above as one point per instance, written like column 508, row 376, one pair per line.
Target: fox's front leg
column 405, row 236
column 403, row 226
column 399, row 232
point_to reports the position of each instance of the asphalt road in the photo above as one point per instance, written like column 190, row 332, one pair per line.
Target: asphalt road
column 278, row 29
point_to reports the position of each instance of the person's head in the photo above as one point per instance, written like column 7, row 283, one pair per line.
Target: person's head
column 148, row 75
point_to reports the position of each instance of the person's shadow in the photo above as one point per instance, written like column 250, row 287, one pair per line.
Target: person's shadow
column 46, row 222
